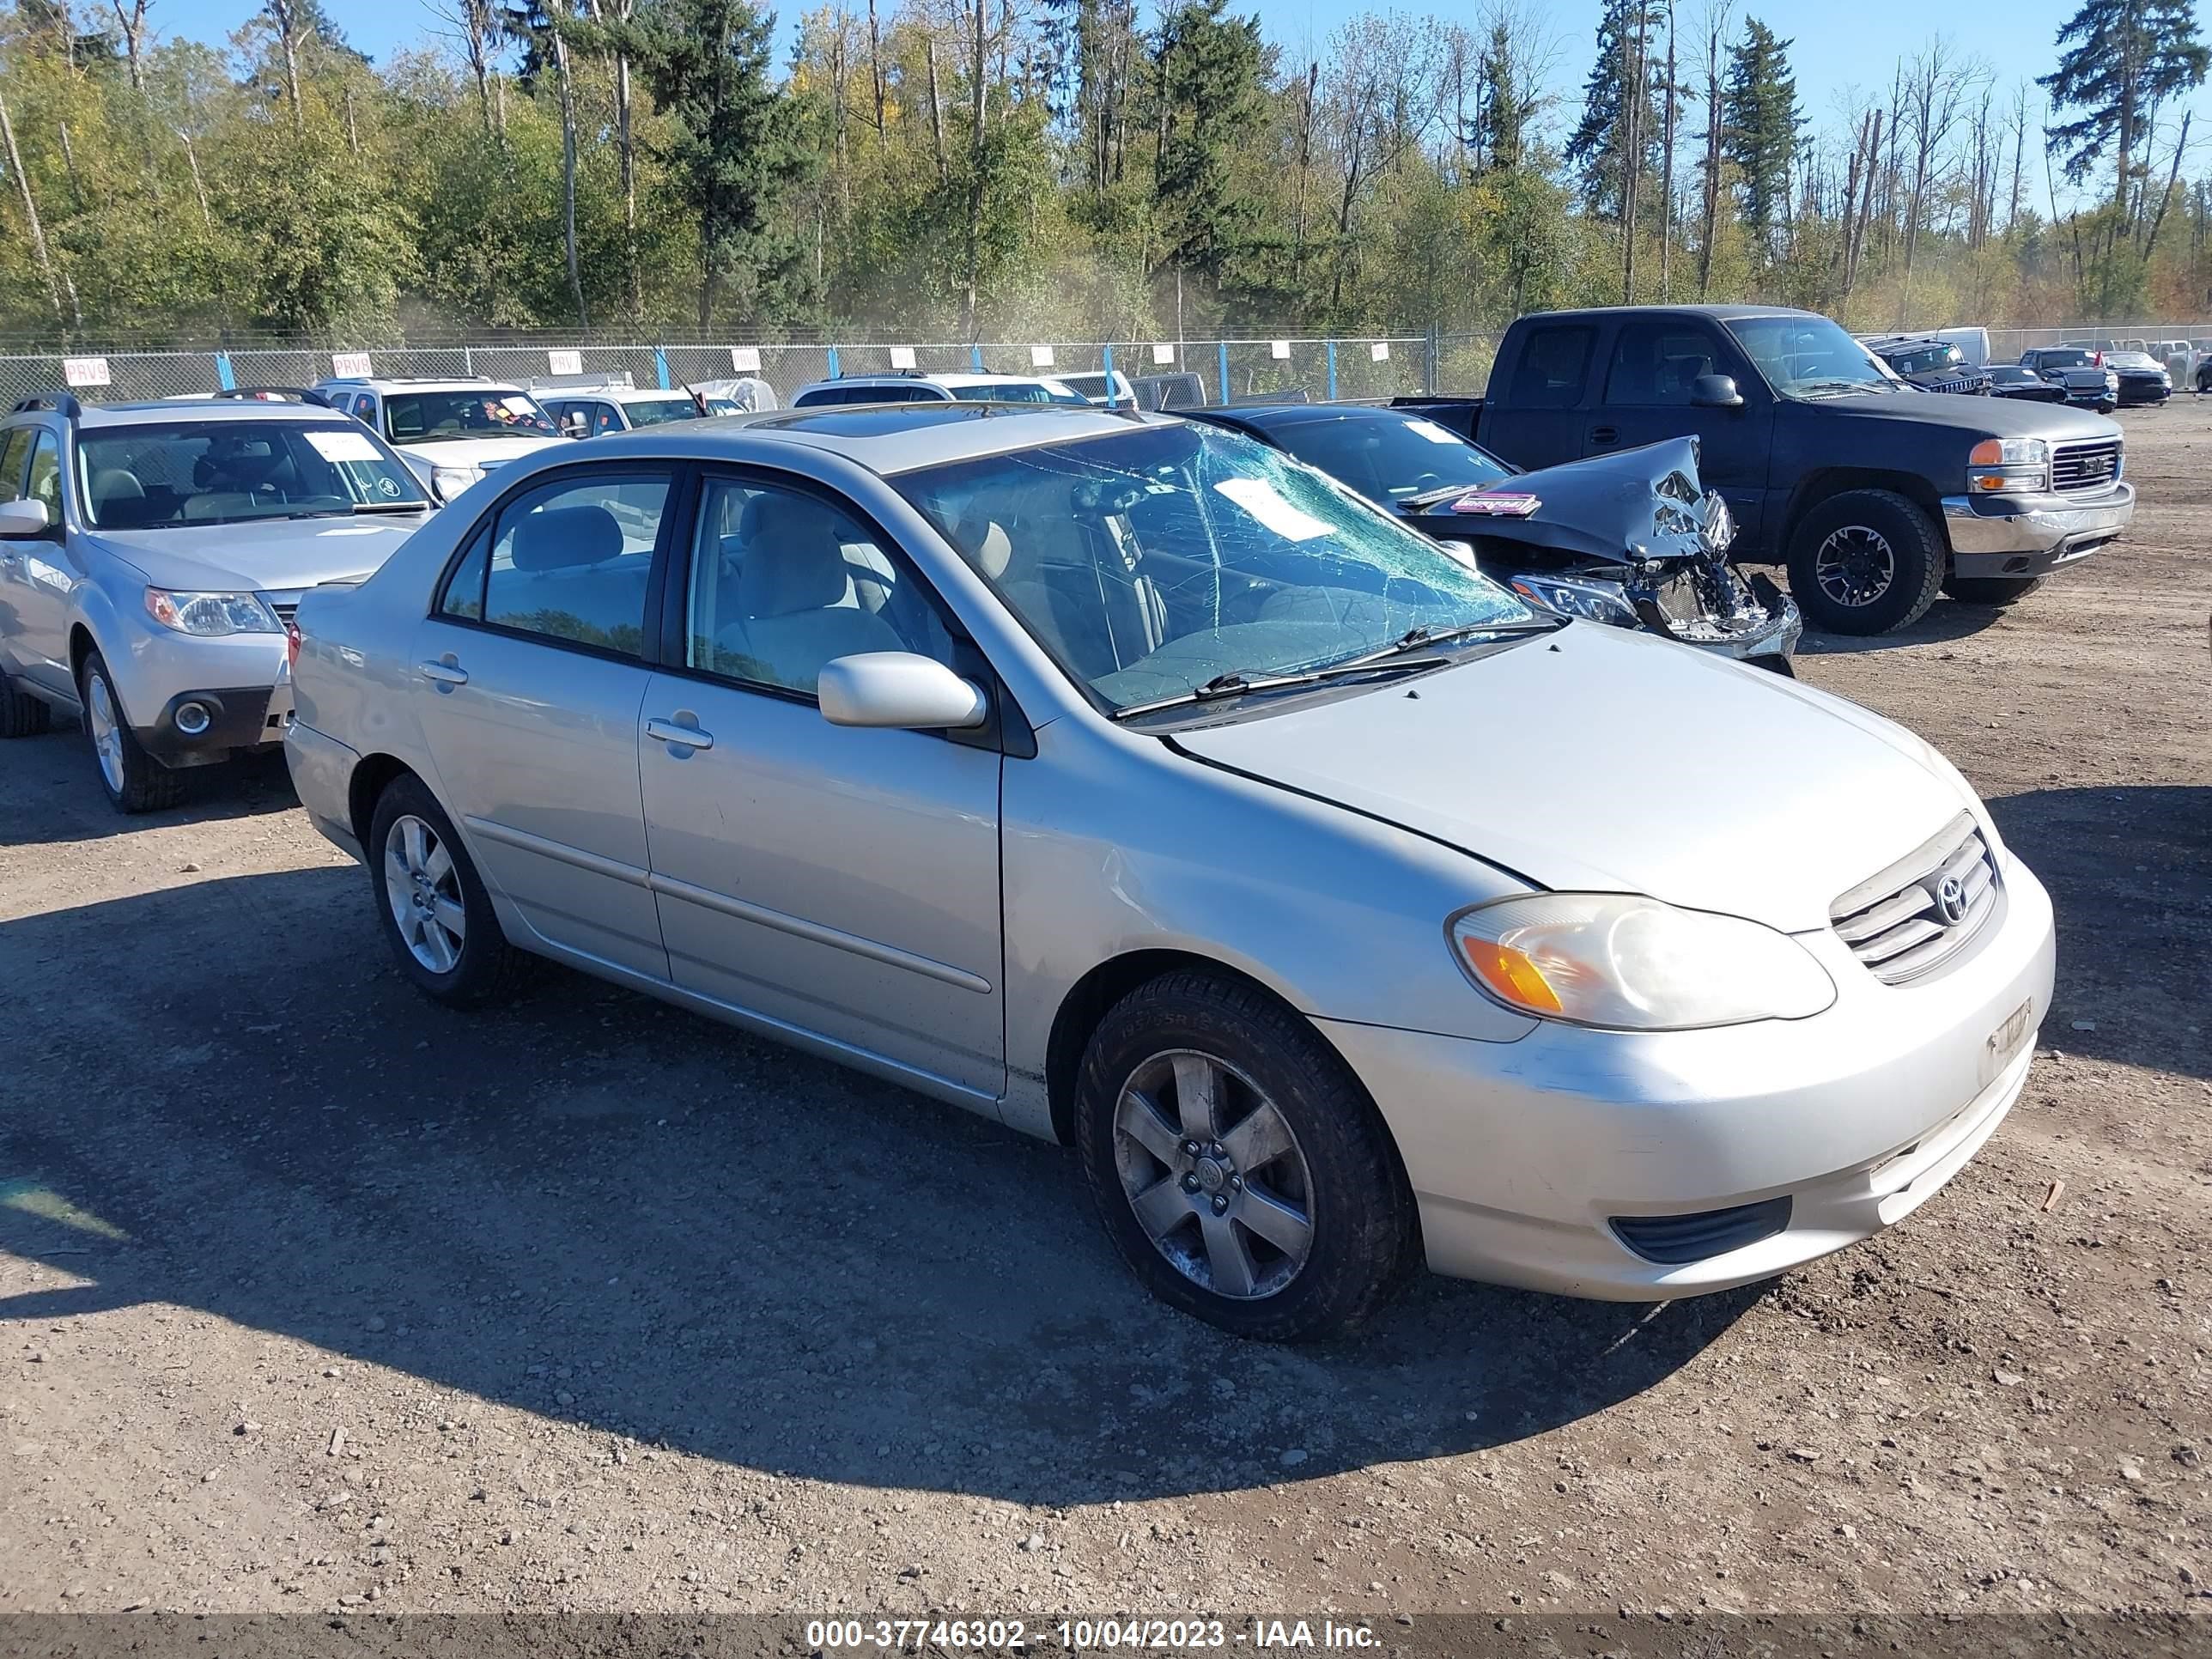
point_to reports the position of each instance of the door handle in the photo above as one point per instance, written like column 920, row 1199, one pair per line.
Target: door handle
column 445, row 675
column 688, row 737
column 1605, row 434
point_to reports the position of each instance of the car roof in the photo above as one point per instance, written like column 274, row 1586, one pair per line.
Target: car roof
column 464, row 383
column 1718, row 313
column 168, row 412
column 950, row 378
column 884, row 437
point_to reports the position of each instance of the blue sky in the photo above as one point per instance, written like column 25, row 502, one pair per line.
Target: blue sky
column 1837, row 43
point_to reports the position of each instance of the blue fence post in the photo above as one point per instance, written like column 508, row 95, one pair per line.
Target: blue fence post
column 1108, row 353
column 660, row 366
column 975, row 358
column 1332, row 371
column 468, row 360
column 1224, row 361
column 833, row 362
column 223, row 376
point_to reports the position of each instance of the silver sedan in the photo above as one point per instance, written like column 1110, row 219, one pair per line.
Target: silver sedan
column 1138, row 786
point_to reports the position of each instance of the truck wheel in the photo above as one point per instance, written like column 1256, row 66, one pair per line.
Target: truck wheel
column 1990, row 590
column 1865, row 563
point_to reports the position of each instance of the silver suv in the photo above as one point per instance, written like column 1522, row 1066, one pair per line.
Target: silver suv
column 151, row 556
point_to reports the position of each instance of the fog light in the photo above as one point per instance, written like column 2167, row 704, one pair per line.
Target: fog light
column 192, row 719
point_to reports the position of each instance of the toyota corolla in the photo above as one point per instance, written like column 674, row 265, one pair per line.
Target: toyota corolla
column 1139, row 787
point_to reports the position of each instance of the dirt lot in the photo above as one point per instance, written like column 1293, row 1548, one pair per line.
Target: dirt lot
column 313, row 1295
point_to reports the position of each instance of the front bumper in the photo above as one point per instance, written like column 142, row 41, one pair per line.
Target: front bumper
column 201, row 727
column 2145, row 391
column 1771, row 628
column 2027, row 535
column 1523, row 1154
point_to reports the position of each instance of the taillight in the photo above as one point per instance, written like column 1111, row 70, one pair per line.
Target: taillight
column 291, row 645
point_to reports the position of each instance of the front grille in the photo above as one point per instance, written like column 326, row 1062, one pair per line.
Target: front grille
column 1674, row 1240
column 1950, row 386
column 1915, row 915
column 2084, row 467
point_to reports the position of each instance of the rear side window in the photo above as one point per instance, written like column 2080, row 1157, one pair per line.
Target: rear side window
column 1554, row 364
column 821, row 396
column 571, row 559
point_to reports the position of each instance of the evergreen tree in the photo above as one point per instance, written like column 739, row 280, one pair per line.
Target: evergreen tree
column 2118, row 60
column 1504, row 104
column 1597, row 149
column 1759, row 123
column 1211, row 90
column 738, row 146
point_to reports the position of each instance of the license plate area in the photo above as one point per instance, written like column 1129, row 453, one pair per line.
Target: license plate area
column 2003, row 1046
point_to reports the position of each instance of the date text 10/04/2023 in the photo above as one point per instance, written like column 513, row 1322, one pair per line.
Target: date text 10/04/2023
column 1084, row 1635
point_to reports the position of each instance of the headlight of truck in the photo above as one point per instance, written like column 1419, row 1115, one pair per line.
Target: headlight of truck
column 2017, row 465
column 451, row 481
column 1572, row 596
column 208, row 615
column 1625, row 963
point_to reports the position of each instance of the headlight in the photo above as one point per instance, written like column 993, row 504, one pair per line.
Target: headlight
column 451, row 481
column 2020, row 465
column 1625, row 963
column 211, row 615
column 1572, row 596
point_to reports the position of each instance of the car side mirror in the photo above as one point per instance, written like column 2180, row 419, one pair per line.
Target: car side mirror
column 900, row 691
column 21, row 520
column 1715, row 391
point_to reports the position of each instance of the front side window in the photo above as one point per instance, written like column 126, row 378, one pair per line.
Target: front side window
column 429, row 417
column 228, row 471
column 1810, row 357
column 1159, row 562
column 569, row 559
column 1390, row 459
column 783, row 582
column 1657, row 363
column 1011, row 391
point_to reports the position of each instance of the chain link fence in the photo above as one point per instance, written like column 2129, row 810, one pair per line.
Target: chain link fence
column 1373, row 366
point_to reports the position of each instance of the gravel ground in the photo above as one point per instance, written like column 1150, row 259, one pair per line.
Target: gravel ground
column 315, row 1296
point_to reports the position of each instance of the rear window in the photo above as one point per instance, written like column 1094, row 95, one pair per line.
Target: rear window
column 1554, row 363
column 2066, row 358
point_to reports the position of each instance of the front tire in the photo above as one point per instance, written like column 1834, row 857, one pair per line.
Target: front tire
column 1865, row 563
column 1991, row 590
column 134, row 781
column 1238, row 1164
column 437, row 917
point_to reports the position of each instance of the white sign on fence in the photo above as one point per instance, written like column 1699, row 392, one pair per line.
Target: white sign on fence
column 1040, row 356
column 350, row 365
column 564, row 363
column 1379, row 352
column 85, row 371
column 1162, row 354
column 745, row 359
column 1279, row 350
column 902, row 356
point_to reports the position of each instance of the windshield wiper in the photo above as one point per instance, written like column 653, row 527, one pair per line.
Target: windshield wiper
column 391, row 507
column 1223, row 686
column 1841, row 386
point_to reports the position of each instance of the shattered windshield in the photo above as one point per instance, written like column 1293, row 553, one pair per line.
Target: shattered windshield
column 1169, row 560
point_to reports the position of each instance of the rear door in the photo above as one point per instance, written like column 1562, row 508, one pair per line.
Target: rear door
column 529, row 677
column 1652, row 363
column 44, row 572
column 1534, row 420
column 15, row 456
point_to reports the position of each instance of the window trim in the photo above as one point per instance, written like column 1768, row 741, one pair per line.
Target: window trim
column 1005, row 728
column 648, row 654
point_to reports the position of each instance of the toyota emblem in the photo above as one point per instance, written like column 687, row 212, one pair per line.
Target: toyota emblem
column 1951, row 901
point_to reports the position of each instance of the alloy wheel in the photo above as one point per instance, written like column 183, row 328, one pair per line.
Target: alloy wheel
column 1214, row 1174
column 105, row 727
column 424, row 891
column 1854, row 566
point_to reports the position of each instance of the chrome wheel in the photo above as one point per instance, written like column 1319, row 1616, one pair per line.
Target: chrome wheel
column 105, row 726
column 424, row 891
column 1854, row 566
column 1213, row 1175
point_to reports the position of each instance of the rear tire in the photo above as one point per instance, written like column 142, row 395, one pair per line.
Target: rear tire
column 134, row 781
column 436, row 914
column 1294, row 1218
column 1865, row 563
column 21, row 714
column 1990, row 590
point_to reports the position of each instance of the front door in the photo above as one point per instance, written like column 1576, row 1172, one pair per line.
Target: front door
column 1654, row 363
column 529, row 679
column 834, row 880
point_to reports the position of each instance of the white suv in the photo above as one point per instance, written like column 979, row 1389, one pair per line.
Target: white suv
column 913, row 386
column 450, row 432
column 593, row 412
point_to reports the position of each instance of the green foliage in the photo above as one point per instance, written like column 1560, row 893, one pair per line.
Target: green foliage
column 1760, row 128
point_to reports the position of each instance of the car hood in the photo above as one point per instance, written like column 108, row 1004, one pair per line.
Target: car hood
column 473, row 452
column 1983, row 417
column 269, row 554
column 1604, row 760
column 1648, row 497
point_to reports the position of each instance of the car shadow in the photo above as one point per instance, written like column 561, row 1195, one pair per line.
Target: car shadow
column 2130, row 870
column 605, row 1210
column 56, row 781
column 1947, row 620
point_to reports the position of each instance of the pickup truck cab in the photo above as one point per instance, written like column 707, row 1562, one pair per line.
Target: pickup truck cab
column 1874, row 494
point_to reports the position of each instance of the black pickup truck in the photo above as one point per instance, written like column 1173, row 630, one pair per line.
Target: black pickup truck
column 1874, row 494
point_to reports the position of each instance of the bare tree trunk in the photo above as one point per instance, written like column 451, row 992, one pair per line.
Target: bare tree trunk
column 1311, row 91
column 565, row 86
column 1631, row 148
column 876, row 76
column 199, row 189
column 353, row 132
column 131, row 20
column 285, row 21
column 2018, row 153
column 69, row 168
column 936, row 111
column 1666, row 169
column 2172, row 177
column 39, row 251
column 627, row 141
column 1716, row 27
column 978, row 68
